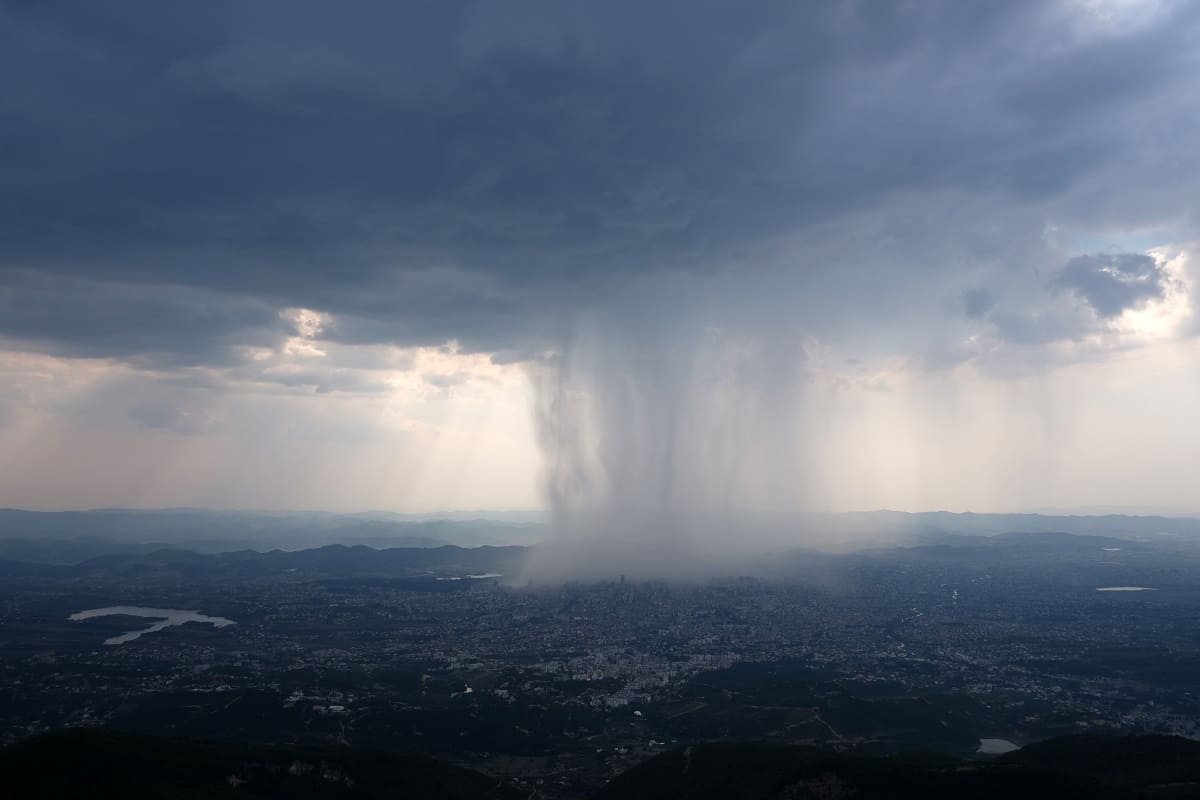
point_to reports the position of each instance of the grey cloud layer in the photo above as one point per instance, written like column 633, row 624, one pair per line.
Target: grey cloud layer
column 175, row 175
column 1112, row 283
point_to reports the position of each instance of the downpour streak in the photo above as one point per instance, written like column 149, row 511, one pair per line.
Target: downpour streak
column 662, row 447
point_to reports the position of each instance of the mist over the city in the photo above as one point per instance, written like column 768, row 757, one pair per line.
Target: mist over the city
column 555, row 399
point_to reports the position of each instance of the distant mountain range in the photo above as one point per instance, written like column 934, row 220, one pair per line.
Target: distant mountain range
column 71, row 537
column 334, row 561
column 1115, row 525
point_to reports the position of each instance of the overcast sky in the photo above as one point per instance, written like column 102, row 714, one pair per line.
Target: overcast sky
column 325, row 255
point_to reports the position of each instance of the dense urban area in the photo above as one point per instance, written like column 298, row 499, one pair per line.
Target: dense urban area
column 944, row 646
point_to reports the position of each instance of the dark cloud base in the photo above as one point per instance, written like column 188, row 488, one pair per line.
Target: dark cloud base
column 176, row 176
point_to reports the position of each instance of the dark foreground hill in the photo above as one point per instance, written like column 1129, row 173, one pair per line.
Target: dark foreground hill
column 1160, row 766
column 95, row 763
column 1075, row 767
column 98, row 763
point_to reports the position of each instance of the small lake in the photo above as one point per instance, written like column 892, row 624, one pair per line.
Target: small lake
column 1127, row 589
column 167, row 617
column 996, row 747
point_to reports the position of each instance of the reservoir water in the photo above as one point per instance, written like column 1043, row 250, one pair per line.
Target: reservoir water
column 996, row 747
column 166, row 617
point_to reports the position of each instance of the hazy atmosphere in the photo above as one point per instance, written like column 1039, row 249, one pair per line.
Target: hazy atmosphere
column 640, row 259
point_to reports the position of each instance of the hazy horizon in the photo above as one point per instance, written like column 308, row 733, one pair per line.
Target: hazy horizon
column 1090, row 511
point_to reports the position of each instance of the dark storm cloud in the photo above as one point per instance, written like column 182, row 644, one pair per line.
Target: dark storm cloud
column 151, row 325
column 1032, row 329
column 1112, row 283
column 174, row 175
column 978, row 302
